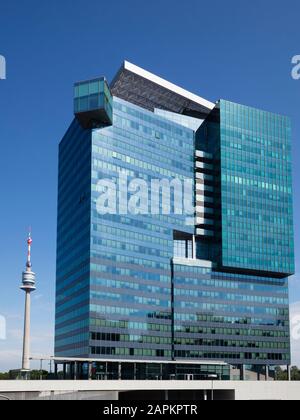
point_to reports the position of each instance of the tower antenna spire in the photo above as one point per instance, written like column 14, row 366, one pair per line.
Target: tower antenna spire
column 29, row 242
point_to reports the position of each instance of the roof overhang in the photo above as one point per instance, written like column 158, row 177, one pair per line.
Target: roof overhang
column 142, row 88
column 117, row 360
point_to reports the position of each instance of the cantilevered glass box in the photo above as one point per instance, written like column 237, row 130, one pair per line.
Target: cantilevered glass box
column 93, row 103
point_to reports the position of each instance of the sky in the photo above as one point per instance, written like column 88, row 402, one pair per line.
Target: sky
column 235, row 50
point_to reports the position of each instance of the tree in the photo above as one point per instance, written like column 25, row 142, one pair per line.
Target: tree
column 295, row 373
column 281, row 375
column 37, row 374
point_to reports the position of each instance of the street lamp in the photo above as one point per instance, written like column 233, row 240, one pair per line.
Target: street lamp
column 212, row 378
column 41, row 369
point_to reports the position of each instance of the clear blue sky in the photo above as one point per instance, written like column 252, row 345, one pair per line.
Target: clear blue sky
column 236, row 50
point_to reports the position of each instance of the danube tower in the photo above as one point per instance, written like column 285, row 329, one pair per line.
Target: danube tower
column 28, row 285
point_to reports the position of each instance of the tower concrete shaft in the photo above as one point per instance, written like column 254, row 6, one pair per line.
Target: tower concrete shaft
column 28, row 285
column 26, row 340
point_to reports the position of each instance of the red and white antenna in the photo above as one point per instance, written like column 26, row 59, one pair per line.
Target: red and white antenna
column 29, row 242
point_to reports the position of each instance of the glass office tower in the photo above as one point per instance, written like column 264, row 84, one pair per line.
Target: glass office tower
column 195, row 285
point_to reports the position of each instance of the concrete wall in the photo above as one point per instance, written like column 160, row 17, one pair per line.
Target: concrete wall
column 244, row 390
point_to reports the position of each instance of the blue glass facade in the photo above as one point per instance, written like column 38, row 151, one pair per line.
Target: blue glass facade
column 131, row 254
column 73, row 243
column 128, row 294
column 133, row 285
column 256, row 189
column 93, row 103
column 238, row 318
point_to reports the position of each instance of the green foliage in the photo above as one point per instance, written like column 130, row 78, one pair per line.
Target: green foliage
column 295, row 373
column 281, row 375
column 37, row 374
column 16, row 374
